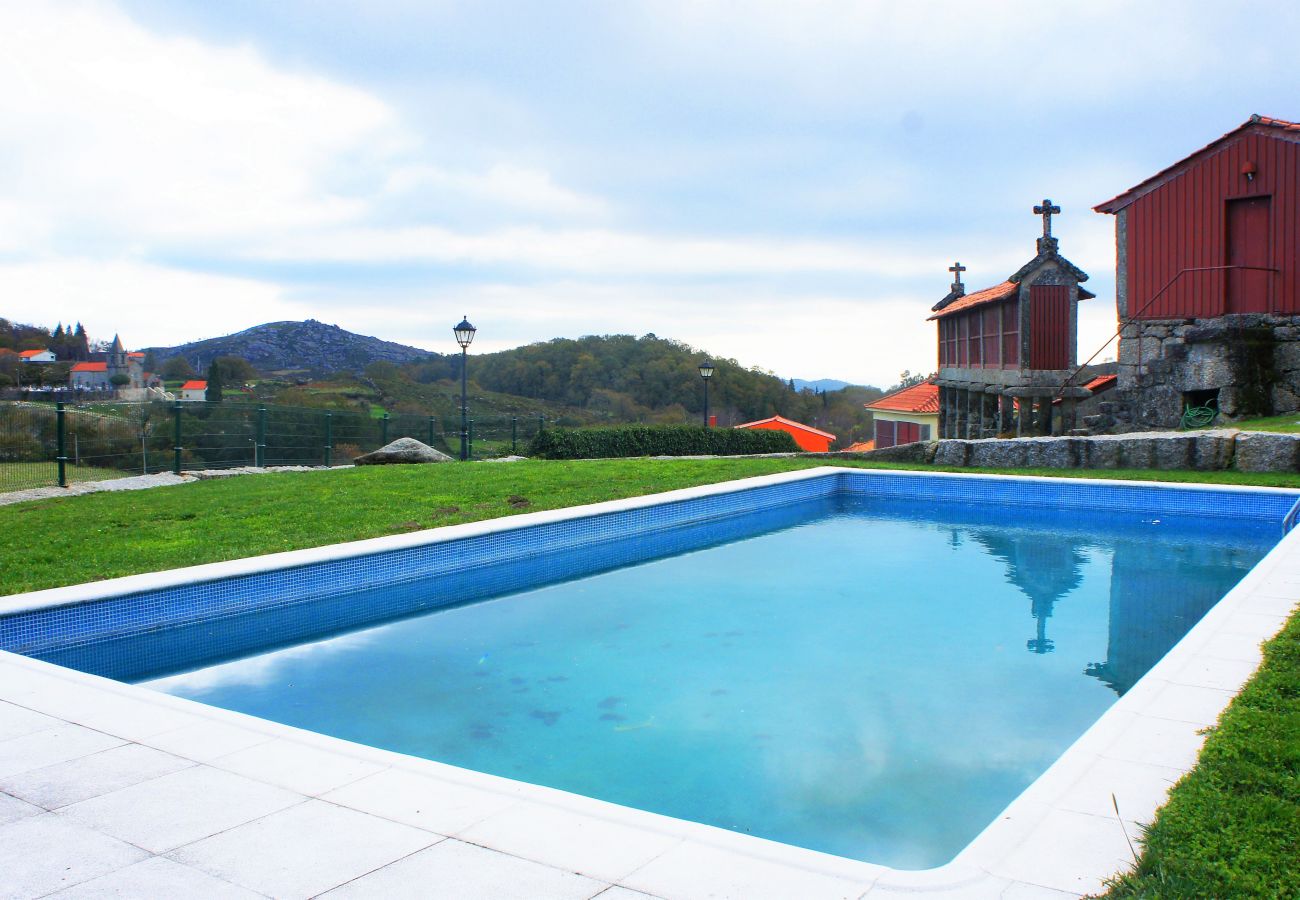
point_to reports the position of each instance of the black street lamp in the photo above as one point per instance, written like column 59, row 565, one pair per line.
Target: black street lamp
column 706, row 372
column 464, row 335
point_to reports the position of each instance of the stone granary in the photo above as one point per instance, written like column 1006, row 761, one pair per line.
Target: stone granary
column 1006, row 352
column 1208, row 282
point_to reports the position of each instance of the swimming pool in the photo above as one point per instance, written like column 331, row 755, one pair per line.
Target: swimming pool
column 1053, row 623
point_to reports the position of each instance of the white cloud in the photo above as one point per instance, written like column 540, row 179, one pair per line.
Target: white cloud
column 145, row 304
column 596, row 251
column 502, row 185
column 134, row 136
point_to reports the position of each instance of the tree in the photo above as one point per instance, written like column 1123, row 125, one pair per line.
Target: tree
column 213, row 393
column 235, row 370
column 120, row 380
column 177, row 368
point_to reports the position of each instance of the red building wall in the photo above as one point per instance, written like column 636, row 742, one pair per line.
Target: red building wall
column 811, row 442
column 1184, row 224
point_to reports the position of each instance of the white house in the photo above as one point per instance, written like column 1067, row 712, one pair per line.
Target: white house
column 194, row 391
column 37, row 356
column 907, row 415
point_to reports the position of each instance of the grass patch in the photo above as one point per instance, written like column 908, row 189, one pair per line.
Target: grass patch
column 19, row 476
column 1231, row 827
column 1287, row 424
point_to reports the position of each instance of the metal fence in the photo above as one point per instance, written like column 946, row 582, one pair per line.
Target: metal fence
column 47, row 444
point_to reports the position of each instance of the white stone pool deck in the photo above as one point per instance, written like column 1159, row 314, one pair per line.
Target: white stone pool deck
column 111, row 790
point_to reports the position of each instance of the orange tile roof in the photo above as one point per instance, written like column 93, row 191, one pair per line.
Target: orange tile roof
column 979, row 298
column 860, row 447
column 136, row 355
column 90, row 367
column 194, row 386
column 27, row 354
column 1256, row 123
column 1101, row 382
column 919, row 398
column 782, row 420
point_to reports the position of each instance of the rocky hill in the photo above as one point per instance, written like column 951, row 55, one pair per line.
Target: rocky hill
column 295, row 346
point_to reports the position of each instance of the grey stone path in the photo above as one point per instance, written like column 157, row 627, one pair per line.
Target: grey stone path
column 141, row 482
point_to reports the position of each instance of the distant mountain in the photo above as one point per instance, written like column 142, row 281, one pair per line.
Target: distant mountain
column 303, row 346
column 822, row 384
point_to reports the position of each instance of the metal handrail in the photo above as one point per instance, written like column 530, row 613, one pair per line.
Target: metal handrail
column 1289, row 520
column 1154, row 297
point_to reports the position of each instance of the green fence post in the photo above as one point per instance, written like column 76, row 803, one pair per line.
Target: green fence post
column 62, row 458
column 432, row 424
column 329, row 439
column 514, row 434
column 383, row 432
column 470, row 454
column 176, row 437
column 259, row 442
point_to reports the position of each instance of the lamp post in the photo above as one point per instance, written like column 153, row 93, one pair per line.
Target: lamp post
column 706, row 372
column 464, row 335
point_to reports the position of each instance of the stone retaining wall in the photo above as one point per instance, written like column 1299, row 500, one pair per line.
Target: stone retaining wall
column 1218, row 449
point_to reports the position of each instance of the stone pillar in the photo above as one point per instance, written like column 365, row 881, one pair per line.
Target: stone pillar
column 1006, row 413
column 1068, row 417
column 990, row 408
column 972, row 416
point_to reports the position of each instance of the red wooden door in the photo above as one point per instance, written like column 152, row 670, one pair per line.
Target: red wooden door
column 1049, row 326
column 1247, row 245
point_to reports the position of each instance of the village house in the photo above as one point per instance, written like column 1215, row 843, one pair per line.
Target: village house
column 907, row 415
column 1008, row 351
column 807, row 437
column 37, row 356
column 98, row 374
column 1207, row 282
column 194, row 391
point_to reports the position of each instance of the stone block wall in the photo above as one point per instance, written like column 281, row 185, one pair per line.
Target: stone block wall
column 1251, row 360
column 1212, row 450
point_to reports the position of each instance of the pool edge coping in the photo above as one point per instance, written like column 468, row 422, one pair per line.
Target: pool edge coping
column 992, row 854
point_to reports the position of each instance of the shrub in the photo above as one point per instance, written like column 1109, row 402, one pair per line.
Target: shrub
column 642, row 440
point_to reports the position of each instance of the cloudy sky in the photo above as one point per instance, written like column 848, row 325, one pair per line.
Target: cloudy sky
column 783, row 183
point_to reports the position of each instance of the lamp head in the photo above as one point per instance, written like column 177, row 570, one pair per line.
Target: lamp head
column 464, row 333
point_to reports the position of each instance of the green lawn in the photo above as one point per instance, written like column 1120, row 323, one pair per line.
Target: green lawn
column 1231, row 829
column 1288, row 423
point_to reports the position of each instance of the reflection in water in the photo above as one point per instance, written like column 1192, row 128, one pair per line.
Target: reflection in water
column 1044, row 566
column 1147, row 617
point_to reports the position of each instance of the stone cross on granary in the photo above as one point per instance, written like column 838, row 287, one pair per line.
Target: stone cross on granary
column 1047, row 210
column 956, row 269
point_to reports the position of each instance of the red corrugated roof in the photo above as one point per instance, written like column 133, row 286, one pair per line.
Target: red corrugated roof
column 919, row 398
column 784, row 421
column 90, row 367
column 979, row 298
column 1263, row 124
column 1101, row 382
column 194, row 386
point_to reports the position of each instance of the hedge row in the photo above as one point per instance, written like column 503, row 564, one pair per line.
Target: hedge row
column 671, row 440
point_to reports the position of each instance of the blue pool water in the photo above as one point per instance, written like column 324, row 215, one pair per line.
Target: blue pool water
column 866, row 677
